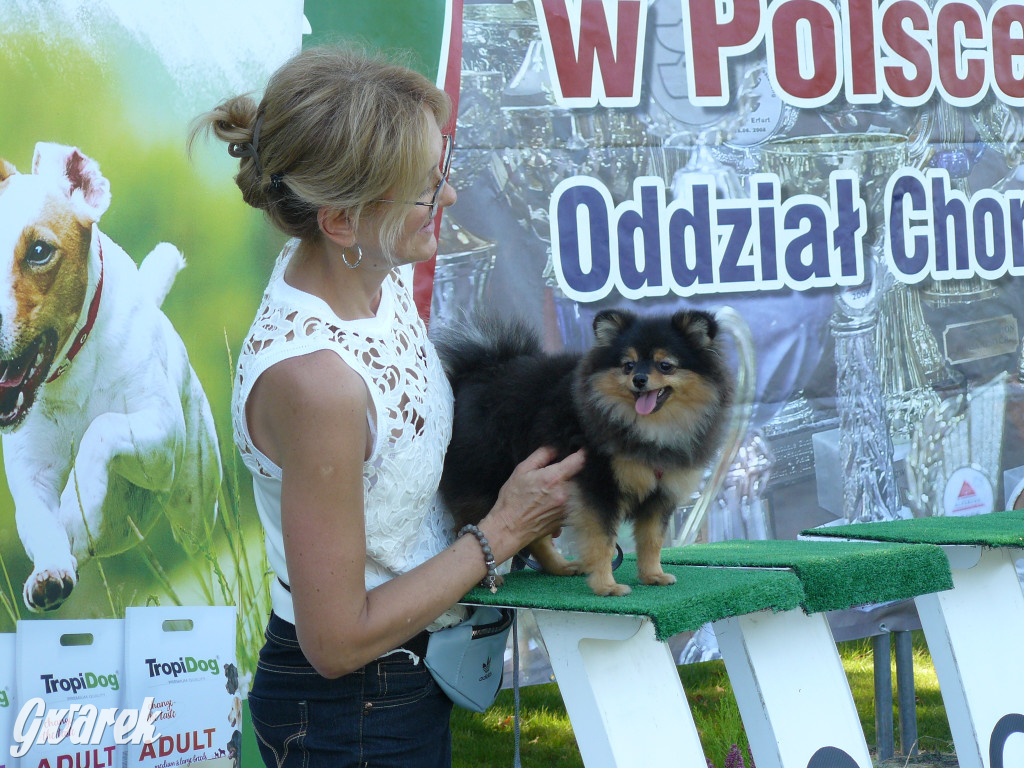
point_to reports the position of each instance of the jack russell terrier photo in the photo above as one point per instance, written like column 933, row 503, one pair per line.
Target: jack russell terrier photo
column 104, row 423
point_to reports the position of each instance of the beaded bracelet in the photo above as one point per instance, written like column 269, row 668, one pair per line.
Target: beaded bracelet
column 490, row 580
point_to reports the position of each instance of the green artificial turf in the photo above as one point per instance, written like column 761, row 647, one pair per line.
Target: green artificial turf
column 834, row 575
column 699, row 595
column 996, row 529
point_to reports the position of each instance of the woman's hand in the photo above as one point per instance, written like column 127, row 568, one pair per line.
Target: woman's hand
column 532, row 502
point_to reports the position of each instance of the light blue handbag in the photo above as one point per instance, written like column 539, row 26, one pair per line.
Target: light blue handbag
column 467, row 660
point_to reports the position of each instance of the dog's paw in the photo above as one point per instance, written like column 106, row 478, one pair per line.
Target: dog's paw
column 608, row 588
column 567, row 568
column 618, row 590
column 47, row 588
column 660, row 579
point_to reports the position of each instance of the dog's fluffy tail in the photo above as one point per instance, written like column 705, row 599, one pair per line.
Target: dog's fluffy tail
column 158, row 270
column 481, row 343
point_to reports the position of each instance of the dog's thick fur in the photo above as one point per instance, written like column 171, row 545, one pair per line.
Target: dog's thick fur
column 123, row 433
column 647, row 403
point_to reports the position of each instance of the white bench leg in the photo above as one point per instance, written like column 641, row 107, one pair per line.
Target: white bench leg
column 621, row 691
column 792, row 691
column 975, row 634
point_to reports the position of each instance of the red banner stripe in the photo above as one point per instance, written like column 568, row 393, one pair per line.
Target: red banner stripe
column 423, row 275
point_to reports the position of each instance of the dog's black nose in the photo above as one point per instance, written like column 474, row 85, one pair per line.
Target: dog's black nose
column 640, row 380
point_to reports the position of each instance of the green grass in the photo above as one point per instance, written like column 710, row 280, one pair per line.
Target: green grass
column 932, row 726
column 482, row 741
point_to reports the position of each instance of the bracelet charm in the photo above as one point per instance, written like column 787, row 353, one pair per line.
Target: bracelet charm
column 490, row 580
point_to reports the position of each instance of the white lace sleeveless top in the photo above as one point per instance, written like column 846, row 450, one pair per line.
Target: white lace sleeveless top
column 411, row 402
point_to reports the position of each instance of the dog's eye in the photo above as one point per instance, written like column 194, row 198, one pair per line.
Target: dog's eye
column 666, row 367
column 39, row 253
column 628, row 367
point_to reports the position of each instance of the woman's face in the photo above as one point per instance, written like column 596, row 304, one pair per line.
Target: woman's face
column 417, row 241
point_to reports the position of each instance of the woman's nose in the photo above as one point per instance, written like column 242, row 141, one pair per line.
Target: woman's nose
column 448, row 195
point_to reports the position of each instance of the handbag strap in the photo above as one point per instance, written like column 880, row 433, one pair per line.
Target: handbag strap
column 515, row 687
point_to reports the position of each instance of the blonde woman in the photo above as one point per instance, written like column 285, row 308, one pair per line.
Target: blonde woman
column 342, row 415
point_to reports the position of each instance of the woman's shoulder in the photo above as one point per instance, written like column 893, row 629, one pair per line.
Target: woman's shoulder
column 303, row 405
column 319, row 378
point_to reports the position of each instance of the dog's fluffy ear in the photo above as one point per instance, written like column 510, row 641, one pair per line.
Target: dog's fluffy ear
column 6, row 170
column 610, row 323
column 88, row 189
column 698, row 326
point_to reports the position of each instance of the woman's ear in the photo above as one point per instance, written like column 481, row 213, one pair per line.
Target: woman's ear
column 336, row 226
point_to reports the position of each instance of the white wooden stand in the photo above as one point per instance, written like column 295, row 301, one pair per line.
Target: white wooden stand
column 975, row 634
column 621, row 691
column 627, row 706
column 792, row 691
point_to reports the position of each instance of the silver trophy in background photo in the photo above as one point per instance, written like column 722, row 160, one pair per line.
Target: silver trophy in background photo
column 865, row 450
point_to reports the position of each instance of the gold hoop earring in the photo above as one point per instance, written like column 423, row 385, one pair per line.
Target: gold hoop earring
column 359, row 257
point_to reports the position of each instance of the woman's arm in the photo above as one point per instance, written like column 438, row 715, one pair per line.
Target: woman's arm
column 310, row 411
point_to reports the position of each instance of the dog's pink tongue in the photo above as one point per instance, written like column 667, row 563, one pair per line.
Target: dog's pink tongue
column 646, row 401
column 12, row 376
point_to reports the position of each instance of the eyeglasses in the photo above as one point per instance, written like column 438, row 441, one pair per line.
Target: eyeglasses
column 448, row 147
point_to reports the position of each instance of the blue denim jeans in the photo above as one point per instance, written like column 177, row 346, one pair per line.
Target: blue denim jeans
column 389, row 714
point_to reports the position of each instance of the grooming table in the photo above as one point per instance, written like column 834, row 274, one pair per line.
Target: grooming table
column 788, row 669
column 619, row 681
column 975, row 632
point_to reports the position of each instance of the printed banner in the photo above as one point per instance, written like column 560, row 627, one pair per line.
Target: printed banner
column 841, row 181
column 131, row 274
column 133, row 271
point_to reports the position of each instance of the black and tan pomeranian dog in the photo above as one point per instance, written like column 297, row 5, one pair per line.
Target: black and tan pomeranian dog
column 647, row 402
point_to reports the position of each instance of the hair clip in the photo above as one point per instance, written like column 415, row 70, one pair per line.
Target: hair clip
column 250, row 148
column 276, row 181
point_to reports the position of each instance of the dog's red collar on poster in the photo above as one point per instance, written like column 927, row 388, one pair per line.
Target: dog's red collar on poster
column 90, row 319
